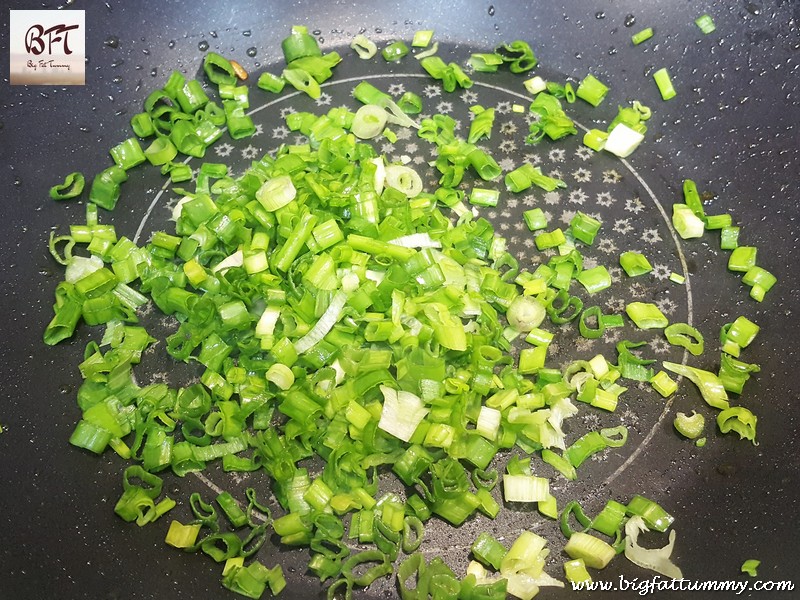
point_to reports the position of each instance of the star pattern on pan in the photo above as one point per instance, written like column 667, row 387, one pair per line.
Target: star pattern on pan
column 577, row 196
column 281, row 132
column 661, row 271
column 223, row 150
column 324, row 99
column 508, row 128
column 444, row 108
column 250, row 152
column 582, row 175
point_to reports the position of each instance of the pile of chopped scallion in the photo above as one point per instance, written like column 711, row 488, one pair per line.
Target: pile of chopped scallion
column 338, row 310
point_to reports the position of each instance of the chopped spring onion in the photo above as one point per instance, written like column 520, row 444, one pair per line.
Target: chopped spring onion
column 552, row 122
column 740, row 420
column 527, row 175
column 481, row 126
column 634, row 263
column 450, row 74
column 760, row 281
column 369, row 122
column 488, row 550
column 422, row 38
column 750, row 566
column 622, row 141
column 488, row 423
column 518, row 55
column 677, row 278
column 633, row 116
column 610, row 520
column 484, row 197
column 705, row 23
column 394, row 51
column 276, row 193
column 251, row 581
column 376, row 314
column 280, row 375
column 485, row 62
column 326, row 322
column 686, row 222
column 367, row 93
column 561, row 464
column 410, row 103
column 692, row 198
column 182, row 536
column 595, row 279
column 364, row 47
column 711, row 387
column 642, row 36
column 689, row 426
column 525, row 488
column 685, row 336
column 646, row 315
column 524, row 554
column 734, row 373
column 535, row 219
column 592, row 90
column 535, row 85
column 718, row 221
column 593, row 551
column 654, row 515
column 663, row 384
column 403, row 179
column 299, row 44
column 525, row 313
column 664, row 84
column 550, row 239
column 106, row 187
column 743, row 258
column 270, row 83
column 302, row 81
column 416, row 240
column 429, row 52
column 584, row 227
column 71, row 188
column 656, row 559
column 575, row 571
column 128, row 154
column 729, row 237
column 595, row 139
column 402, row 413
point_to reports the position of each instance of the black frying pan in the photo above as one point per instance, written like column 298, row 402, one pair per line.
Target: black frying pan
column 732, row 128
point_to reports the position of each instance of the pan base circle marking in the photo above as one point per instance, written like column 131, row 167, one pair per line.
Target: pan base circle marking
column 602, row 186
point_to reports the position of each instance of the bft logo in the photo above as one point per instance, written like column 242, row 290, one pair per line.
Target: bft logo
column 35, row 38
column 48, row 47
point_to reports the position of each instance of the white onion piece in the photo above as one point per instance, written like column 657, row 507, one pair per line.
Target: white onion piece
column 656, row 559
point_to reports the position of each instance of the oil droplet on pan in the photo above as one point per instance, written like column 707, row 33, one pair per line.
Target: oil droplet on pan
column 753, row 9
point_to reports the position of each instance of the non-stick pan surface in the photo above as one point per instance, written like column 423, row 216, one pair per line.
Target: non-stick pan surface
column 733, row 128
